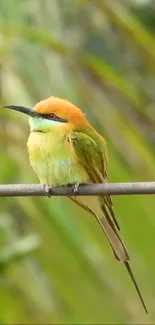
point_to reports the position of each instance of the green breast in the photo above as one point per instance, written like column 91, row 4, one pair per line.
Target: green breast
column 53, row 159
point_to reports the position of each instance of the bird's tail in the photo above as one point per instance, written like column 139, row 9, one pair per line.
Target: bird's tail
column 119, row 250
column 114, row 239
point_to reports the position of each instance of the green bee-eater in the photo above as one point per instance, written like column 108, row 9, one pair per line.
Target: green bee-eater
column 65, row 149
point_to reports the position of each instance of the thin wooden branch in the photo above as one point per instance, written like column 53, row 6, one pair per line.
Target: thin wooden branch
column 87, row 189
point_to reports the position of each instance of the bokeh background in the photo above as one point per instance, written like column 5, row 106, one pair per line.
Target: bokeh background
column 55, row 264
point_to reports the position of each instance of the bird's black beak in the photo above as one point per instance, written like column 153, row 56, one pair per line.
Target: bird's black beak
column 22, row 109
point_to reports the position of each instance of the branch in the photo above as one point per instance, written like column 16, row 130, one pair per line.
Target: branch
column 87, row 189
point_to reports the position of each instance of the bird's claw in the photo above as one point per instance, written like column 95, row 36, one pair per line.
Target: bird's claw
column 75, row 188
column 47, row 190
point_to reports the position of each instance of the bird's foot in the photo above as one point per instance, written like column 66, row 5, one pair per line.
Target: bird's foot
column 47, row 190
column 75, row 188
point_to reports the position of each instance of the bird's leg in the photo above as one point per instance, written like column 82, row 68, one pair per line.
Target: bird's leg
column 46, row 189
column 75, row 188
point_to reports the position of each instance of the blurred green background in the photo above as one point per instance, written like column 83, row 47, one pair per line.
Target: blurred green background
column 55, row 264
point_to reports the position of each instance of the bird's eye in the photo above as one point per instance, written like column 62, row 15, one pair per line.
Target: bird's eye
column 52, row 116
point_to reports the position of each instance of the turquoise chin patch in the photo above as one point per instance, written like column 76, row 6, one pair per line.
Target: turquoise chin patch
column 37, row 123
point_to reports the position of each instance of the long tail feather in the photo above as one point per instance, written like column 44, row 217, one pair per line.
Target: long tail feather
column 127, row 265
column 114, row 239
column 120, row 251
column 108, row 226
column 110, row 215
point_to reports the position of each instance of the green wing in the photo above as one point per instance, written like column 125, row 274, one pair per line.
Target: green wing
column 94, row 158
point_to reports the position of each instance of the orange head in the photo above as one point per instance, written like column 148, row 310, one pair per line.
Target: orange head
column 60, row 110
column 52, row 112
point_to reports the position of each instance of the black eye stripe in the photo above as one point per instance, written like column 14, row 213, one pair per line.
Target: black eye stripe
column 54, row 117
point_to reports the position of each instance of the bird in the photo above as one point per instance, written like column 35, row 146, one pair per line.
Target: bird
column 64, row 149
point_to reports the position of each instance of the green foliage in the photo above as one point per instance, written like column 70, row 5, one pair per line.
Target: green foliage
column 55, row 264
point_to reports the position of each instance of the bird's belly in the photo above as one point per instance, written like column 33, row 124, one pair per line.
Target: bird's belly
column 59, row 172
column 57, row 165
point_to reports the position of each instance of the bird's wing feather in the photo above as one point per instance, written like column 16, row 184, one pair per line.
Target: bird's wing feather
column 94, row 160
